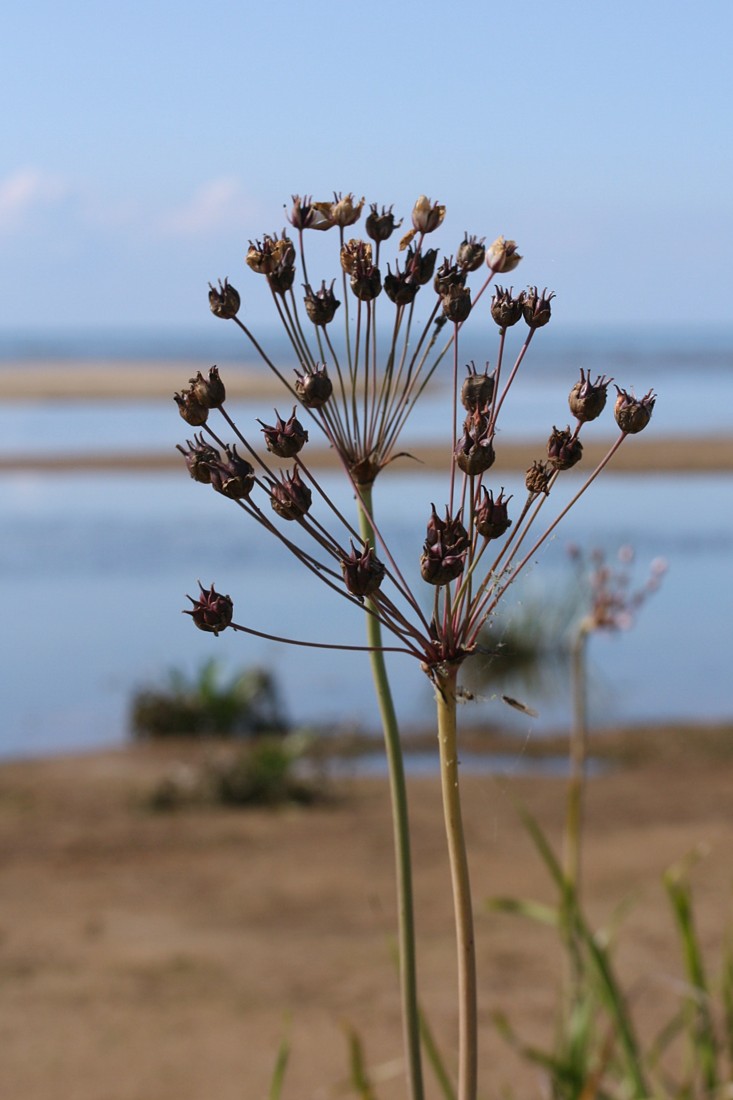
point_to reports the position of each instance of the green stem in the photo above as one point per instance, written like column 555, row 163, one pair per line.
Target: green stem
column 401, row 827
column 578, row 754
column 445, row 696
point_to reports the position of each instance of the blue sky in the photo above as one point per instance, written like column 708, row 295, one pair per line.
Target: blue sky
column 143, row 144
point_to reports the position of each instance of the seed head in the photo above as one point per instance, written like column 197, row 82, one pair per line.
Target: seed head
column 380, row 227
column 502, row 256
column 209, row 392
column 421, row 264
column 471, row 253
column 322, row 306
column 506, row 310
column 477, row 390
column 563, row 449
column 353, row 252
column 191, row 409
column 363, row 572
column 366, row 280
column 536, row 307
column 344, row 210
column 426, row 216
column 266, row 256
column 401, row 287
column 448, row 275
column 200, row 457
column 290, row 497
column 492, row 519
column 225, row 301
column 444, row 553
column 233, row 478
column 286, row 438
column 588, row 399
column 632, row 414
column 457, row 303
column 211, row 612
column 313, row 386
column 537, row 478
column 306, row 214
column 474, row 453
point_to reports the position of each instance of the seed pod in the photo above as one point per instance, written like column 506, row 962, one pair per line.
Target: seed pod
column 363, row 572
column 536, row 307
column 345, row 211
column 209, row 392
column 563, row 449
column 322, row 306
column 492, row 519
column 286, row 438
column 474, row 452
column 477, row 390
column 506, row 310
column 502, row 256
column 427, row 217
column 402, row 287
column 313, row 387
column 588, row 399
column 380, row 227
column 421, row 265
column 537, row 478
column 471, row 253
column 448, row 275
column 457, row 304
column 234, row 478
column 444, row 553
column 211, row 612
column 632, row 414
column 191, row 409
column 225, row 301
column 200, row 457
column 290, row 498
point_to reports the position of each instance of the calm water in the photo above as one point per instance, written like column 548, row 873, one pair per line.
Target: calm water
column 95, row 568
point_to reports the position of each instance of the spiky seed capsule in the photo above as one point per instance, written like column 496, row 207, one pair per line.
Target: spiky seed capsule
column 563, row 449
column 492, row 519
column 427, row 216
column 290, row 498
column 502, row 256
column 536, row 307
column 209, row 392
column 477, row 390
column 212, row 611
column 506, row 310
column 200, row 457
column 471, row 253
column 286, row 438
column 448, row 275
column 587, row 399
column 457, row 304
column 234, row 478
column 345, row 210
column 474, row 452
column 633, row 414
column 537, row 478
column 444, row 553
column 421, row 265
column 191, row 409
column 225, row 301
column 321, row 306
column 380, row 227
column 402, row 287
column 363, row 572
column 313, row 387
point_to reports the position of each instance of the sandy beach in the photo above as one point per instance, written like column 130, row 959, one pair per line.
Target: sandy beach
column 43, row 382
column 163, row 956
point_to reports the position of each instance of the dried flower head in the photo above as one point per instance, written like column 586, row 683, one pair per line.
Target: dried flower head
column 587, row 399
column 286, row 438
column 321, row 306
column 209, row 392
column 502, row 256
column 233, row 477
column 506, row 310
column 313, row 386
column 363, row 571
column 380, row 227
column 471, row 253
column 290, row 497
column 564, row 449
column 492, row 517
column 444, row 553
column 536, row 307
column 427, row 216
column 211, row 612
column 477, row 390
column 537, row 478
column 190, row 408
column 633, row 414
column 474, row 451
column 200, row 457
column 457, row 303
column 225, row 301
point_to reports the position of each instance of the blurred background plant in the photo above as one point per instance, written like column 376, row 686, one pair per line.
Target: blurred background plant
column 210, row 703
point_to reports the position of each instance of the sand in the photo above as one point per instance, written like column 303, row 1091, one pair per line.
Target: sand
column 153, row 956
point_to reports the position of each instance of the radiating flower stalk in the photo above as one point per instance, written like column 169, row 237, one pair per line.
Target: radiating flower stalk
column 360, row 393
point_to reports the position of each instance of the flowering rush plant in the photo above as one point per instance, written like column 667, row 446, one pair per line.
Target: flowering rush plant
column 357, row 378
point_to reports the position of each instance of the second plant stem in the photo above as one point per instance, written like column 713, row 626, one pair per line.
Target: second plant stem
column 401, row 829
column 445, row 695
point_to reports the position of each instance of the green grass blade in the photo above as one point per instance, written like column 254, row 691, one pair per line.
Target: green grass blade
column 533, row 910
column 435, row 1059
column 360, row 1079
column 278, row 1074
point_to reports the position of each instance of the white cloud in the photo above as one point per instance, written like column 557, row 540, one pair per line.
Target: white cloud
column 218, row 204
column 25, row 192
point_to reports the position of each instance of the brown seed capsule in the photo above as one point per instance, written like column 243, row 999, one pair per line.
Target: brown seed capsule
column 322, row 306
column 345, row 210
column 306, row 214
column 354, row 251
column 563, row 449
column 633, row 414
column 471, row 253
column 587, row 399
column 200, row 457
column 313, row 387
column 537, row 478
column 477, row 390
column 211, row 612
column 380, row 227
column 426, row 216
column 506, row 310
column 457, row 304
column 402, row 287
column 474, row 452
column 363, row 572
column 444, row 553
column 225, row 301
column 209, row 392
column 536, row 307
column 290, row 498
column 421, row 265
column 492, row 519
column 286, row 438
column 191, row 409
column 263, row 257
column 234, row 478
column 502, row 256
column 448, row 275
